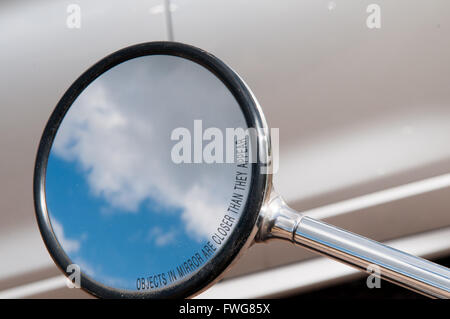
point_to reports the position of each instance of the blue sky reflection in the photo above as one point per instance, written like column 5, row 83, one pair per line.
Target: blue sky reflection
column 120, row 207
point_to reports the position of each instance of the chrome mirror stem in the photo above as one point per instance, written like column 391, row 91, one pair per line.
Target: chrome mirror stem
column 278, row 221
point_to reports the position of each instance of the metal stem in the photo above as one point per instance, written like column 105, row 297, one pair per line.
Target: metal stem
column 168, row 16
column 278, row 221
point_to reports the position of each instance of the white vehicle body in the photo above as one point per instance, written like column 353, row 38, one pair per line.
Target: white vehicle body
column 363, row 114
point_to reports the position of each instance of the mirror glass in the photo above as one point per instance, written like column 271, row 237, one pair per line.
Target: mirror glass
column 138, row 187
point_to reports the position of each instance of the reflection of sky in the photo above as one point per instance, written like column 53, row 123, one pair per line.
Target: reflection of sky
column 120, row 208
column 108, row 242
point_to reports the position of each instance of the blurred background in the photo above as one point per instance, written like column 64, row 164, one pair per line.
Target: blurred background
column 359, row 91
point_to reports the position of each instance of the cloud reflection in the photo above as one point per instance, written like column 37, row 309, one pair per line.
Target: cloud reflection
column 118, row 134
column 70, row 245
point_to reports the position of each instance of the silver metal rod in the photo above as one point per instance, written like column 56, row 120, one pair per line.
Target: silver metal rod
column 281, row 222
column 168, row 17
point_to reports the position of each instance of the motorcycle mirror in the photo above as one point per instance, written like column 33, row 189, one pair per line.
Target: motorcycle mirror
column 153, row 176
column 131, row 181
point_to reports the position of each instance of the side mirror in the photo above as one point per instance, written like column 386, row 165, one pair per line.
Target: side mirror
column 153, row 176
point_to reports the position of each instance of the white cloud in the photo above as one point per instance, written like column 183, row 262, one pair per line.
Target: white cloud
column 86, row 267
column 200, row 214
column 100, row 273
column 118, row 133
column 161, row 237
column 69, row 245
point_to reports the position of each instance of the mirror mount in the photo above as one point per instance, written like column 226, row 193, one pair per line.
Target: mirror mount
column 279, row 221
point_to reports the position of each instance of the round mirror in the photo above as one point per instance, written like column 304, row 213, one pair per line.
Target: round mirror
column 146, row 177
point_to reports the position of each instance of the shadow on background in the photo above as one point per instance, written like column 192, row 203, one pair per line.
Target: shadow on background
column 357, row 289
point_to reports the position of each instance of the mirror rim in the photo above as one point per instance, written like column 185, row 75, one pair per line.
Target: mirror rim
column 245, row 229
